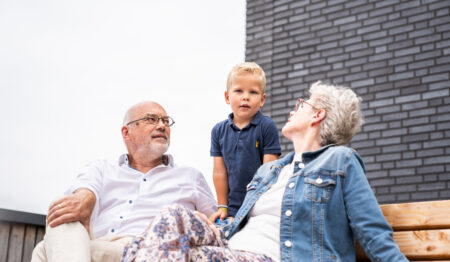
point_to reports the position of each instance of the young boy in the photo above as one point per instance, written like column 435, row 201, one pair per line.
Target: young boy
column 247, row 139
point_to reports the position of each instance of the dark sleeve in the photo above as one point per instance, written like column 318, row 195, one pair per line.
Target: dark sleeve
column 215, row 146
column 271, row 139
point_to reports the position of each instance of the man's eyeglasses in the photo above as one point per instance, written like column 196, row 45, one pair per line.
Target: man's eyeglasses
column 299, row 104
column 153, row 119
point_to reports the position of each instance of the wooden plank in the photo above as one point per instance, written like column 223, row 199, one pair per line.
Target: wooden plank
column 424, row 244
column 39, row 235
column 418, row 215
column 4, row 239
column 419, row 245
column 16, row 242
column 29, row 242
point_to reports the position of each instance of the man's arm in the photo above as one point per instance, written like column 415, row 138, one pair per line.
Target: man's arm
column 75, row 207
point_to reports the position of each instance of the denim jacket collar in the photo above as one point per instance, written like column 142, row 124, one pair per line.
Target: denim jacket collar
column 306, row 156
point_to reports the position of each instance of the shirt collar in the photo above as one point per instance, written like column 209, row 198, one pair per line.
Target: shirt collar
column 167, row 160
column 255, row 121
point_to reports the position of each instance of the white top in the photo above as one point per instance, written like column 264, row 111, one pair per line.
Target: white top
column 261, row 234
column 127, row 200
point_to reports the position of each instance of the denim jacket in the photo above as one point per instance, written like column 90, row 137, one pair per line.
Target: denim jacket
column 327, row 202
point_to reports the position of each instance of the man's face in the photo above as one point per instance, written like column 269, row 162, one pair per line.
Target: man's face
column 145, row 137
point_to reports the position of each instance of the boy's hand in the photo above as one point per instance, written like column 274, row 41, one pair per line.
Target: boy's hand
column 211, row 225
column 222, row 214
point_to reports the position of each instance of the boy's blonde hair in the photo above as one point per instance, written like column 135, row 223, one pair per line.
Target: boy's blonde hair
column 247, row 68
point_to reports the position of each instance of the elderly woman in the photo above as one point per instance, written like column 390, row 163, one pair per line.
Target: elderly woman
column 307, row 206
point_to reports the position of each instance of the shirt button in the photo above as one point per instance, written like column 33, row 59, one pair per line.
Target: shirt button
column 130, row 201
column 291, row 185
column 112, row 230
column 144, row 179
column 288, row 213
column 121, row 217
column 301, row 165
column 287, row 243
column 227, row 233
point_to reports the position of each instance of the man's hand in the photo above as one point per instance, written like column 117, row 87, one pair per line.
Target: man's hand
column 75, row 207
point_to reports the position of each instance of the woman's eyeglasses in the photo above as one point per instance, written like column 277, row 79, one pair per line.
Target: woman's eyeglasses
column 300, row 103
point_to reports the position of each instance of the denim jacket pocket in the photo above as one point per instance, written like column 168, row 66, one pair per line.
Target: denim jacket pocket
column 319, row 185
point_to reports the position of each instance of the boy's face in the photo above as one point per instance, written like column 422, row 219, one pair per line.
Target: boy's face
column 245, row 96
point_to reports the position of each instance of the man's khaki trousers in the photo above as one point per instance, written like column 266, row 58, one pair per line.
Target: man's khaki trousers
column 70, row 242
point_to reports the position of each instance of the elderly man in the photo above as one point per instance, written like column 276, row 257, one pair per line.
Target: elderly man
column 110, row 203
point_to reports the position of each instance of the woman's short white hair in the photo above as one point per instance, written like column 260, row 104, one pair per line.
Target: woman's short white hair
column 343, row 119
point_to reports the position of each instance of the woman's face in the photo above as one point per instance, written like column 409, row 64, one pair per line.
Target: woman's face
column 300, row 119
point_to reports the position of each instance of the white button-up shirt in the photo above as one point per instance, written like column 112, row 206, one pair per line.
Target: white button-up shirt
column 127, row 200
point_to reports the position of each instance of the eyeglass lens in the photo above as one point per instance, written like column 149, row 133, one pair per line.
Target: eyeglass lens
column 298, row 105
column 153, row 119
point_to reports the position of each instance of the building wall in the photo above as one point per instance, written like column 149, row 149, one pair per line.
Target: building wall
column 394, row 54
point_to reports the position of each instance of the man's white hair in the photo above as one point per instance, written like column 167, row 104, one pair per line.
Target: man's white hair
column 343, row 119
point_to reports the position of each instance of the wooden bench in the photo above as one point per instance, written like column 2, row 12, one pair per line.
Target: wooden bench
column 421, row 230
column 19, row 234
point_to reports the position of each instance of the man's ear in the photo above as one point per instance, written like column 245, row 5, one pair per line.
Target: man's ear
column 124, row 131
column 318, row 116
column 227, row 97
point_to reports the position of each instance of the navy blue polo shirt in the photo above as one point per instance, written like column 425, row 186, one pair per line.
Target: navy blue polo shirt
column 243, row 151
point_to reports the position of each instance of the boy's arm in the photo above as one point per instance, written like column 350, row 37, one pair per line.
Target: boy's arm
column 271, row 142
column 269, row 157
column 220, row 178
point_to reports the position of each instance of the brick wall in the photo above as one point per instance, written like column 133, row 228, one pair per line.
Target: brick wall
column 394, row 54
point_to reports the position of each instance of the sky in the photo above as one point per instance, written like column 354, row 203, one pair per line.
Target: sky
column 70, row 69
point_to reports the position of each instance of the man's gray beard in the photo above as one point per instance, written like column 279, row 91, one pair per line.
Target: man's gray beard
column 158, row 149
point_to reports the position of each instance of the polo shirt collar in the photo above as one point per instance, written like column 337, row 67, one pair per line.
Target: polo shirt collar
column 255, row 121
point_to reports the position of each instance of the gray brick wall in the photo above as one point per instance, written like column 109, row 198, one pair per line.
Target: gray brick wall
column 395, row 54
